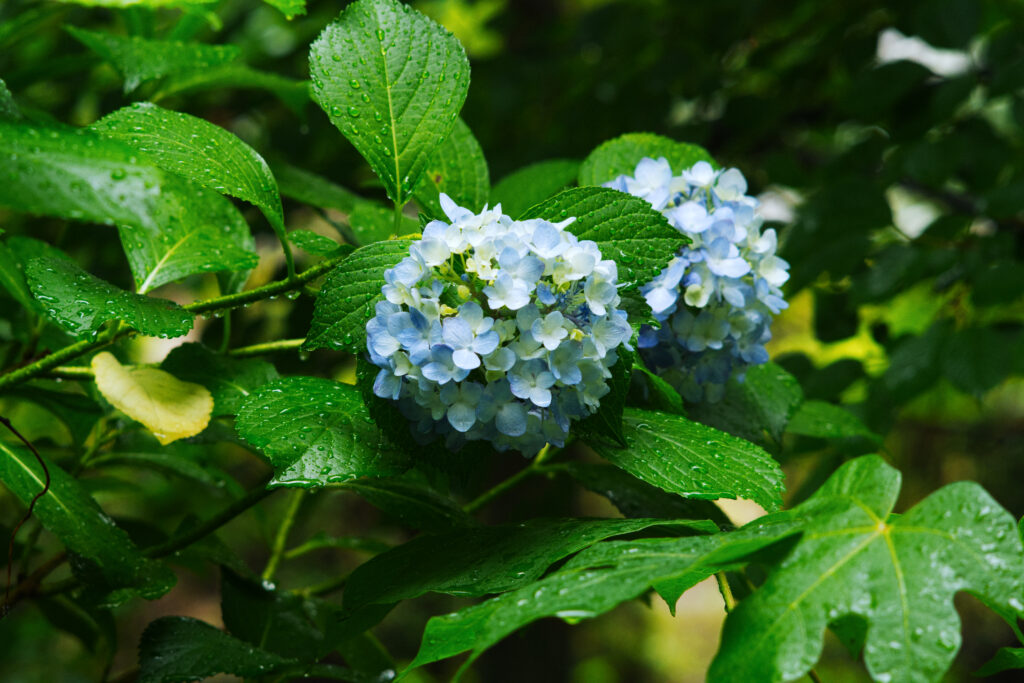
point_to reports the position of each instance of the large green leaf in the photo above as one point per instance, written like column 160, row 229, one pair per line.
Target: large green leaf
column 170, row 228
column 693, row 460
column 485, row 559
column 67, row 511
column 230, row 380
column 591, row 583
column 80, row 302
column 280, row 622
column 393, row 82
column 349, row 294
column 532, row 184
column 199, row 151
column 827, row 421
column 77, row 411
column 315, row 190
column 626, row 229
column 234, row 76
column 457, row 168
column 176, row 649
column 9, row 110
column 898, row 573
column 758, row 408
column 141, row 59
column 621, row 155
column 315, row 432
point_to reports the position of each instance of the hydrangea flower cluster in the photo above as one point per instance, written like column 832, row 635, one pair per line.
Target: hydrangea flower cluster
column 497, row 329
column 715, row 300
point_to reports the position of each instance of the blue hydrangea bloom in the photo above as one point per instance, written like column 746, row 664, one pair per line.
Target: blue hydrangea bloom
column 716, row 299
column 498, row 330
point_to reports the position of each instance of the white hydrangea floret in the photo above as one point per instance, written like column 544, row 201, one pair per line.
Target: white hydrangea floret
column 498, row 330
column 715, row 300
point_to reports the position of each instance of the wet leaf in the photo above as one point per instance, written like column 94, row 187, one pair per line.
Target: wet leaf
column 315, row 432
column 620, row 156
column 80, row 302
column 532, row 184
column 393, row 82
column 899, row 573
column 693, row 460
column 457, row 168
column 169, row 408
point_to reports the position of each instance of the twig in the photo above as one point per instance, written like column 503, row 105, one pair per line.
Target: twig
column 28, row 513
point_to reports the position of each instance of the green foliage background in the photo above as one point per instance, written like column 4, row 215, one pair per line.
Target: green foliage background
column 915, row 326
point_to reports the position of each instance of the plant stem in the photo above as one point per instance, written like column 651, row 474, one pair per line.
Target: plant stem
column 266, row 347
column 398, row 218
column 228, row 301
column 726, row 590
column 294, row 503
column 503, row 486
column 328, row 586
column 225, row 341
column 207, row 527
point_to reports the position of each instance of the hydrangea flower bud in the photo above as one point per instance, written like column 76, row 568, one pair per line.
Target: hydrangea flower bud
column 715, row 300
column 499, row 330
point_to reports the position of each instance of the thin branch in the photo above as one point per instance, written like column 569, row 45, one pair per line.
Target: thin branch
column 28, row 513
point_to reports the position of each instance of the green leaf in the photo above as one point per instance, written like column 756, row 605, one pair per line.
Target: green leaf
column 693, row 460
column 636, row 498
column 171, row 463
column 170, row 228
column 457, row 168
column 229, row 380
column 414, row 504
column 313, row 242
column 184, row 649
column 80, row 302
column 198, row 151
column 978, row 358
column 140, row 59
column 532, row 184
column 289, row 8
column 371, row 223
column 763, row 402
column 233, row 76
column 627, row 230
column 315, row 432
column 827, row 421
column 12, row 278
column 67, row 511
column 607, row 421
column 591, row 583
column 393, row 82
column 211, row 236
column 1006, row 658
column 650, row 391
column 621, row 155
column 283, row 623
column 312, row 189
column 9, row 110
column 77, row 411
column 482, row 560
column 349, row 294
column 899, row 573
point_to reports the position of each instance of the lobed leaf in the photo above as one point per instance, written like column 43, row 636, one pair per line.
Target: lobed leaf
column 693, row 460
column 80, row 302
column 393, row 82
column 625, row 228
column 348, row 295
column 457, row 168
column 620, row 156
column 315, row 432
column 898, row 573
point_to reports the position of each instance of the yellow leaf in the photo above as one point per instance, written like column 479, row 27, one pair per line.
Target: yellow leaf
column 168, row 407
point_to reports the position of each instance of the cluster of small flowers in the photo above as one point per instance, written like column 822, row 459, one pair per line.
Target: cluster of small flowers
column 715, row 300
column 497, row 329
